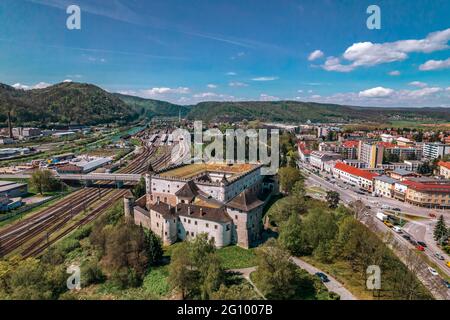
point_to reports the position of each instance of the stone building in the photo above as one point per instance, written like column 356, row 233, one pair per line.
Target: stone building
column 224, row 201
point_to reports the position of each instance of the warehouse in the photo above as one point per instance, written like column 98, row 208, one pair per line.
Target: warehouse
column 12, row 189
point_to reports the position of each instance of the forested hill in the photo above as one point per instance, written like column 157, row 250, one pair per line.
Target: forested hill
column 79, row 103
column 293, row 111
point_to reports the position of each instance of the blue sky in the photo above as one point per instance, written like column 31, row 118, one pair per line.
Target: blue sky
column 190, row 51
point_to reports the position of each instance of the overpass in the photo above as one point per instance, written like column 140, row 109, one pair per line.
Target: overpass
column 116, row 177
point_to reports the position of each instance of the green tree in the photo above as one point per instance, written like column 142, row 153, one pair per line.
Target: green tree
column 333, row 199
column 44, row 181
column 235, row 292
column 293, row 237
column 153, row 247
column 320, row 226
column 276, row 275
column 182, row 276
column 288, row 177
column 440, row 230
column 139, row 189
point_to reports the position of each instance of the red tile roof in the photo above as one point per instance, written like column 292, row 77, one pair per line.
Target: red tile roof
column 438, row 186
column 351, row 144
column 355, row 171
column 387, row 144
column 444, row 164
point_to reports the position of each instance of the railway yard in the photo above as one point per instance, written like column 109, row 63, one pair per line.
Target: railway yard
column 32, row 235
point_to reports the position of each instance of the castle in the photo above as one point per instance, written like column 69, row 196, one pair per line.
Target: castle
column 225, row 201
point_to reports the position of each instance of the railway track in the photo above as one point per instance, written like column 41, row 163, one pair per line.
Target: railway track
column 50, row 225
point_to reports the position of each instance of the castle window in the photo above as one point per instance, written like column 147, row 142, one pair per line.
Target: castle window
column 192, row 234
column 228, row 227
column 236, row 217
column 195, row 223
column 215, row 226
column 165, row 233
column 189, row 221
column 184, row 219
column 157, row 224
column 207, row 225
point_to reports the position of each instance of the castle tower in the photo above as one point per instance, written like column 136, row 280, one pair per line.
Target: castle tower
column 128, row 204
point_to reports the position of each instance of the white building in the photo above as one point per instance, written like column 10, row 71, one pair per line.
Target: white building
column 435, row 150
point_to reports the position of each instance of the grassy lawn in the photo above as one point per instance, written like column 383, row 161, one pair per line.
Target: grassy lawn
column 156, row 281
column 311, row 287
column 234, row 257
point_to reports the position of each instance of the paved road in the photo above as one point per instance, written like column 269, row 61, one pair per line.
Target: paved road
column 348, row 195
column 333, row 285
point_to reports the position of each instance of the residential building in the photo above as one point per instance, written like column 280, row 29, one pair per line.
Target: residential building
column 371, row 153
column 435, row 150
column 430, row 193
column 318, row 158
column 402, row 174
column 354, row 176
column 444, row 169
column 384, row 186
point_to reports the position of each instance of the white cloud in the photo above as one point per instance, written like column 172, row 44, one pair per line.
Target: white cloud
column 334, row 64
column 266, row 97
column 212, row 86
column 370, row 54
column 237, row 84
column 316, row 54
column 205, row 95
column 231, row 73
column 67, row 81
column 435, row 65
column 394, row 73
column 378, row 92
column 420, row 93
column 264, row 78
column 418, row 84
column 300, row 91
column 316, row 96
column 40, row 85
column 165, row 91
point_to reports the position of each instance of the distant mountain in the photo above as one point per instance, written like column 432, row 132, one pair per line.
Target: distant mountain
column 293, row 111
column 86, row 104
column 64, row 103
column 148, row 108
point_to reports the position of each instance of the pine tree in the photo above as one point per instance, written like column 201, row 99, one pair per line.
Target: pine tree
column 440, row 230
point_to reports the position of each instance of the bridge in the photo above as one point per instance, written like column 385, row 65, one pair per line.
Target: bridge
column 89, row 178
column 116, row 177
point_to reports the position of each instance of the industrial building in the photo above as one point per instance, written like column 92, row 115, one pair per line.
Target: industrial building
column 11, row 189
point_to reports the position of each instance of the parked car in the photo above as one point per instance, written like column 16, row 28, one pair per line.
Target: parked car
column 323, row 277
column 448, row 264
column 439, row 256
column 432, row 215
column 446, row 283
column 423, row 244
column 433, row 271
column 396, row 209
column 405, row 236
column 397, row 229
column 388, row 224
column 420, row 248
column 413, row 242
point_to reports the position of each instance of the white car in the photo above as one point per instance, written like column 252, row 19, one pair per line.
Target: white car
column 397, row 229
column 433, row 271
